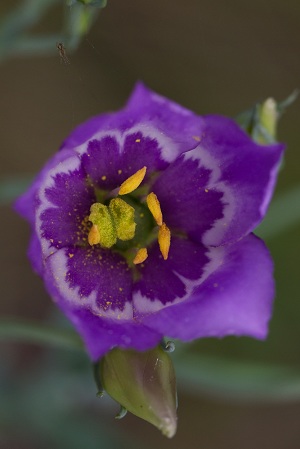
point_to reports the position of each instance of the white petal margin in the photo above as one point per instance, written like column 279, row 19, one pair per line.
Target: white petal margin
column 169, row 149
column 216, row 233
column 57, row 268
column 143, row 305
column 236, row 299
column 66, row 167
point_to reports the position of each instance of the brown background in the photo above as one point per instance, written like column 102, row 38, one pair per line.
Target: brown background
column 213, row 57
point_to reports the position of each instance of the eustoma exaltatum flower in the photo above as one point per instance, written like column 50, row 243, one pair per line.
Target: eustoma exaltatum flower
column 141, row 226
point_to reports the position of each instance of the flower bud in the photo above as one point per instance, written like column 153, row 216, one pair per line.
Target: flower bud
column 262, row 120
column 268, row 117
column 143, row 383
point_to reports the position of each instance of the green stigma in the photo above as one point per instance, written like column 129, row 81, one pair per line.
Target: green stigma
column 123, row 217
column 111, row 222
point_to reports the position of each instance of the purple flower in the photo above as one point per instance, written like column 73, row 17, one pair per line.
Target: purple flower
column 105, row 254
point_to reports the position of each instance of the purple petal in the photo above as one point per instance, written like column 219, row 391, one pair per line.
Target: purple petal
column 245, row 171
column 93, row 288
column 219, row 191
column 94, row 279
column 170, row 127
column 235, row 299
column 100, row 335
column 186, row 203
column 167, row 281
column 112, row 159
column 101, row 163
column 35, row 254
column 64, row 206
column 26, row 204
column 177, row 122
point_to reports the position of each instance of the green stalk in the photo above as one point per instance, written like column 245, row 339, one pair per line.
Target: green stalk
column 18, row 330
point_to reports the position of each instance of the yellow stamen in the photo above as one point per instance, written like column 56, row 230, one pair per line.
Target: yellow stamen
column 164, row 240
column 94, row 235
column 154, row 207
column 140, row 256
column 132, row 183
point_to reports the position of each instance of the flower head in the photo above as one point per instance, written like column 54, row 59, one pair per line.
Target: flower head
column 141, row 226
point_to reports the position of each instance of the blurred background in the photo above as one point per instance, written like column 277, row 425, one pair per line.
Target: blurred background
column 212, row 57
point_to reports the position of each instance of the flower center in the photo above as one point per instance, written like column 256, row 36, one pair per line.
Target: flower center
column 115, row 223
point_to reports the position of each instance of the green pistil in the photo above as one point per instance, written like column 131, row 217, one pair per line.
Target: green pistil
column 123, row 218
column 111, row 222
column 101, row 217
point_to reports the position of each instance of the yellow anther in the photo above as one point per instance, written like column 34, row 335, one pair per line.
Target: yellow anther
column 140, row 256
column 94, row 235
column 164, row 240
column 132, row 183
column 154, row 207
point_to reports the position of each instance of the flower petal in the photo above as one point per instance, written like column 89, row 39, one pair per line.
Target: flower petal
column 100, row 334
column 92, row 278
column 219, row 191
column 64, row 200
column 177, row 122
column 164, row 282
column 25, row 205
column 93, row 289
column 161, row 123
column 111, row 159
column 35, row 254
column 186, row 203
column 248, row 173
column 235, row 299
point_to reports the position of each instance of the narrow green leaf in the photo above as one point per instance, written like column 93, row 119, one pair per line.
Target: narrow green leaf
column 13, row 329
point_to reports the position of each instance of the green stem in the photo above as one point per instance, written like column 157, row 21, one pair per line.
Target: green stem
column 14, row 329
